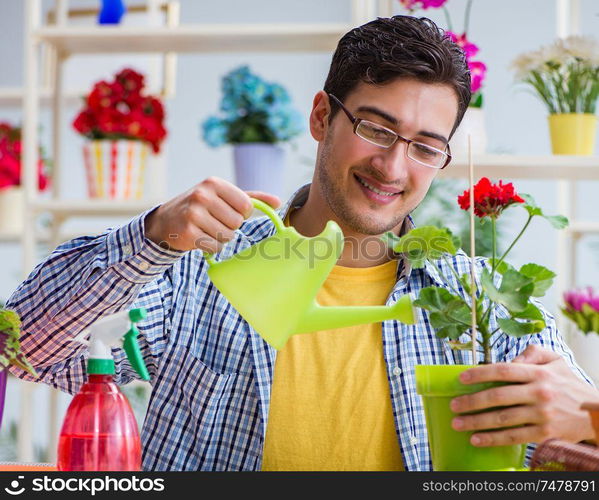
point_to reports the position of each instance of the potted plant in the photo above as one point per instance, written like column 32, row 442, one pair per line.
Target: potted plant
column 10, row 350
column 121, row 124
column 453, row 313
column 473, row 122
column 256, row 116
column 582, row 307
column 565, row 76
column 11, row 192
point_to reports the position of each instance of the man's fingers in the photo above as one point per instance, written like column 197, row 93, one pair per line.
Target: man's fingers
column 271, row 199
column 500, row 372
column 212, row 227
column 517, row 435
column 536, row 355
column 507, row 395
column 226, row 214
column 497, row 419
column 231, row 194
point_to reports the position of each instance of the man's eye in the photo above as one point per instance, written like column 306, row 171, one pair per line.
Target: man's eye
column 425, row 150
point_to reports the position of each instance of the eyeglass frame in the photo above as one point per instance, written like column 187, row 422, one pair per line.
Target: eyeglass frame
column 356, row 122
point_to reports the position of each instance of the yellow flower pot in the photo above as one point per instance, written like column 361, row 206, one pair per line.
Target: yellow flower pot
column 573, row 133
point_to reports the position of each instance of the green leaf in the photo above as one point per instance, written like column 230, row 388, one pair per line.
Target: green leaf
column 466, row 282
column 541, row 277
column 425, row 243
column 460, row 346
column 10, row 322
column 10, row 347
column 518, row 328
column 557, row 221
column 503, row 266
column 531, row 312
column 514, row 292
column 445, row 328
column 449, row 314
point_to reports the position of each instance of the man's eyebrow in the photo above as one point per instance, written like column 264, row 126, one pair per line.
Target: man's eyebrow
column 394, row 121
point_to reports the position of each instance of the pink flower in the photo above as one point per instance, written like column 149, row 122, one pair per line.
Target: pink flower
column 469, row 48
column 575, row 299
column 422, row 4
column 478, row 71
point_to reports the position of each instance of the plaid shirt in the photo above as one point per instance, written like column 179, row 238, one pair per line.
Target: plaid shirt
column 211, row 373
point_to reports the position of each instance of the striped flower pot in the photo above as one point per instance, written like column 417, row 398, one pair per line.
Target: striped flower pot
column 12, row 204
column 115, row 168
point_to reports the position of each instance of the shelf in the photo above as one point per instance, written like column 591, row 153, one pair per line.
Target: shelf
column 580, row 227
column 13, row 96
column 93, row 208
column 195, row 38
column 550, row 167
column 9, row 237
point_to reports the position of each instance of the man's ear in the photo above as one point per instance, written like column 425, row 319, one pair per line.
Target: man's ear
column 319, row 116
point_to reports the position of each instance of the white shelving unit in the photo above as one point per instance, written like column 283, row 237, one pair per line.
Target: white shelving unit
column 67, row 40
column 63, row 41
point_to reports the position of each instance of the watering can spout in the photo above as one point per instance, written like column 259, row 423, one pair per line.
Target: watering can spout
column 327, row 318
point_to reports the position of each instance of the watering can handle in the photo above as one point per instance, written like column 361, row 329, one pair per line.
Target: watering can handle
column 268, row 210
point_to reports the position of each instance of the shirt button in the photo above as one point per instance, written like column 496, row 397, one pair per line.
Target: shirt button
column 413, row 440
column 397, row 370
column 127, row 250
column 144, row 266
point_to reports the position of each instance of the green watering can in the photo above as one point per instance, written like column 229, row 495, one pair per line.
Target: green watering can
column 273, row 284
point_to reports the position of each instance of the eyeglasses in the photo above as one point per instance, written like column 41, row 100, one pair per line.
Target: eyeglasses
column 385, row 138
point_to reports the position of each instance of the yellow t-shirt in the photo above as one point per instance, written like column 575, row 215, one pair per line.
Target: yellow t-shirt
column 330, row 406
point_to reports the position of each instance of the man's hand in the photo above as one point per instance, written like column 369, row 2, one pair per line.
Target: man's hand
column 205, row 217
column 544, row 403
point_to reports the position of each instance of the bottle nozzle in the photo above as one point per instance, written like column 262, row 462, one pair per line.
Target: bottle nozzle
column 132, row 347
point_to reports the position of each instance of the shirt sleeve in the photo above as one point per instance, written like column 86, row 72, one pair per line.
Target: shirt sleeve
column 82, row 280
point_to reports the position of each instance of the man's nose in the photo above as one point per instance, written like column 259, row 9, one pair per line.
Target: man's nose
column 393, row 161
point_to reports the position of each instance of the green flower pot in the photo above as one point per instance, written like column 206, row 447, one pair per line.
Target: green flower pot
column 450, row 449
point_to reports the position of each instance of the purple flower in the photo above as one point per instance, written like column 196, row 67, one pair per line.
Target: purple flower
column 575, row 299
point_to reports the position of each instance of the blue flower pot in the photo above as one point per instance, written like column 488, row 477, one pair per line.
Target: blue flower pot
column 112, row 11
column 260, row 167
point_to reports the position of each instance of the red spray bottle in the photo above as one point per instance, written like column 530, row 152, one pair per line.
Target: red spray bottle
column 99, row 431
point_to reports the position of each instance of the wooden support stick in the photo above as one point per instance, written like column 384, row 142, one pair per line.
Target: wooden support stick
column 472, row 252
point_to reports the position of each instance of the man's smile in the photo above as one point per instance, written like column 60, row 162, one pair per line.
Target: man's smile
column 377, row 192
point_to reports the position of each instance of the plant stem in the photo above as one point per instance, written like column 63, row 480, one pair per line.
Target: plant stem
column 447, row 18
column 467, row 16
column 484, row 332
column 515, row 241
column 454, row 273
column 494, row 245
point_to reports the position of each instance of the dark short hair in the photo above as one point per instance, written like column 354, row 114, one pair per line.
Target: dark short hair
column 398, row 47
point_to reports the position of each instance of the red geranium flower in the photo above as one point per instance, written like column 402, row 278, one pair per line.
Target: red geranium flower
column 10, row 159
column 119, row 109
column 490, row 199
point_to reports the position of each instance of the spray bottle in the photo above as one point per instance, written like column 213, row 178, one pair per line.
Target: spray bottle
column 99, row 431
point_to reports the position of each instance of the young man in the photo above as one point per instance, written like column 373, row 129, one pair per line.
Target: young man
column 222, row 399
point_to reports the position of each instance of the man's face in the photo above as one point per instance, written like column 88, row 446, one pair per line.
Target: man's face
column 348, row 167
